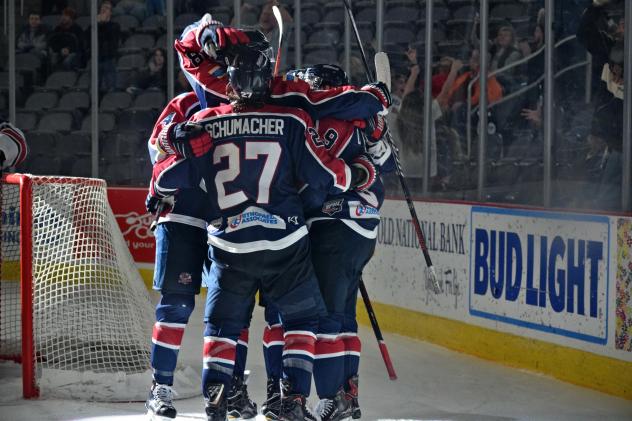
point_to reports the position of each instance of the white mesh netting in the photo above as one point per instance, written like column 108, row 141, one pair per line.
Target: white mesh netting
column 92, row 314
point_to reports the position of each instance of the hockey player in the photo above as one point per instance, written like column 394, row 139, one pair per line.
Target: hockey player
column 13, row 147
column 256, row 225
column 336, row 221
column 181, row 251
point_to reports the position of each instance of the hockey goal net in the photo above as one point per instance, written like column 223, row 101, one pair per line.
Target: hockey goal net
column 73, row 309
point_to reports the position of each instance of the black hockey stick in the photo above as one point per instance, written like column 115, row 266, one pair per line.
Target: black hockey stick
column 400, row 174
column 378, row 333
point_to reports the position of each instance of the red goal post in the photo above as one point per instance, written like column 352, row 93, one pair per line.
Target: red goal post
column 71, row 300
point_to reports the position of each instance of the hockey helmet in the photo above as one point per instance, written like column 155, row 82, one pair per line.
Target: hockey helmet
column 322, row 75
column 250, row 74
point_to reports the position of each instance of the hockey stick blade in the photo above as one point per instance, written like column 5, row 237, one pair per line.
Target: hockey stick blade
column 382, row 68
column 277, row 15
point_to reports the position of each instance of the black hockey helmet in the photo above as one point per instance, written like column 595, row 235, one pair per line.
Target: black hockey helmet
column 250, row 74
column 320, row 75
column 257, row 39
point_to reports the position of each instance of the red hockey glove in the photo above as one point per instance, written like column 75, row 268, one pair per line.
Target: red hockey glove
column 363, row 173
column 380, row 90
column 186, row 139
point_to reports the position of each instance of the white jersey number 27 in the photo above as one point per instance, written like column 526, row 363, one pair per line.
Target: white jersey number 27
column 253, row 150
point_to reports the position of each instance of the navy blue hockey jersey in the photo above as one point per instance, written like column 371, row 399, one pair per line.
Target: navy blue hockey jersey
column 252, row 172
column 359, row 210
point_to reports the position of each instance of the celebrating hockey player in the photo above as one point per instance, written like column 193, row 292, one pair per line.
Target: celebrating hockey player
column 181, row 251
column 256, row 225
column 336, row 221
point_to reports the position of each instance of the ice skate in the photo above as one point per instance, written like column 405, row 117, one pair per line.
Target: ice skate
column 159, row 403
column 216, row 402
column 238, row 403
column 336, row 409
column 293, row 406
column 352, row 393
column 272, row 405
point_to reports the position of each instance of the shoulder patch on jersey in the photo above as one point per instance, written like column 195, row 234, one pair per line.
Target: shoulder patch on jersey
column 332, row 207
column 168, row 119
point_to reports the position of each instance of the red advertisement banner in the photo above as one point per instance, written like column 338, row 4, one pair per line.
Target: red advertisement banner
column 128, row 205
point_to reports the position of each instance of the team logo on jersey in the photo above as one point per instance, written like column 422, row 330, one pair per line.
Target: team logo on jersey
column 185, row 278
column 333, row 206
column 359, row 211
column 254, row 216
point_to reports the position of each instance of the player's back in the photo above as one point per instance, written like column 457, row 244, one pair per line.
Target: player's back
column 250, row 175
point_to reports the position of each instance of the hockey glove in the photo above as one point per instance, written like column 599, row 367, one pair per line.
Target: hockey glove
column 215, row 37
column 185, row 139
column 380, row 90
column 375, row 129
column 156, row 204
column 363, row 173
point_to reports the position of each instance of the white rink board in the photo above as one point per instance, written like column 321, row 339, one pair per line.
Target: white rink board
column 397, row 275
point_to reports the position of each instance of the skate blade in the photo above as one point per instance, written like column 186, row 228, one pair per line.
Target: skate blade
column 153, row 417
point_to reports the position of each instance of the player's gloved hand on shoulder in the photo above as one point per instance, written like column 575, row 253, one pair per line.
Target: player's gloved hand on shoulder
column 186, row 139
column 380, row 90
column 376, row 128
column 155, row 204
column 363, row 173
column 215, row 37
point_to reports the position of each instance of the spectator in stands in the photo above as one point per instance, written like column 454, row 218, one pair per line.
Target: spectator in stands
column 609, row 129
column 504, row 52
column 109, row 34
column 133, row 8
column 440, row 77
column 603, row 38
column 154, row 75
column 409, row 128
column 458, row 94
column 32, row 39
column 535, row 65
column 65, row 43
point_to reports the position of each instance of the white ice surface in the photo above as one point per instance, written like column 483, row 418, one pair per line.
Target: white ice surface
column 433, row 384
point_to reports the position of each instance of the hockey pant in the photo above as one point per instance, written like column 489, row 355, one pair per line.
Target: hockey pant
column 339, row 254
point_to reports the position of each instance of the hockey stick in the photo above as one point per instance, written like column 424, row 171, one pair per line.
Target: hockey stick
column 277, row 15
column 398, row 167
column 378, row 332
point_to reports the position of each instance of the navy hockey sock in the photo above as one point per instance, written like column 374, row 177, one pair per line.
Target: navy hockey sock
column 329, row 365
column 352, row 346
column 218, row 356
column 273, row 350
column 298, row 355
column 241, row 353
column 172, row 314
